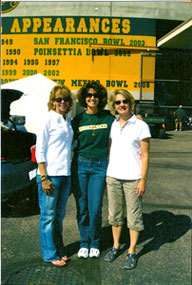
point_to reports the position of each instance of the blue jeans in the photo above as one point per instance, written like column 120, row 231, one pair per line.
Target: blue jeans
column 52, row 213
column 88, row 192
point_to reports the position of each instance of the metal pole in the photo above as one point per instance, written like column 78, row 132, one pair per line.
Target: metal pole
column 141, row 79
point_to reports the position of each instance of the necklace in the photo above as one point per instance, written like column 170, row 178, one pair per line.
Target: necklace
column 93, row 125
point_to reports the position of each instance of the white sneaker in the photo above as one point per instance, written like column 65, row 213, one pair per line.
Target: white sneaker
column 94, row 252
column 83, row 253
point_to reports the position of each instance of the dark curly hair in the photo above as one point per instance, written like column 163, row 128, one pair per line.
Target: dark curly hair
column 100, row 90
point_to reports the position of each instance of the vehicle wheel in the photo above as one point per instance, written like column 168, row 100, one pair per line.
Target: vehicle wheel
column 155, row 133
column 4, row 208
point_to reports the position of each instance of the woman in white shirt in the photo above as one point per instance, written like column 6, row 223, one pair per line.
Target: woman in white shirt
column 53, row 155
column 126, row 174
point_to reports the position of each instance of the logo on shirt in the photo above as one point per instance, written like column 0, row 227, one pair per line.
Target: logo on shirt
column 92, row 127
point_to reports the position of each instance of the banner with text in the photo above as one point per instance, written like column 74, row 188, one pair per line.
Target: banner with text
column 73, row 50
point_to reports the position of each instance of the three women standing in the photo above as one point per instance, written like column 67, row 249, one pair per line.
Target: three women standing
column 126, row 172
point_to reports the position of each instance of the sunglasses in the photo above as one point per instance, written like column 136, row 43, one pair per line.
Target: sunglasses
column 94, row 95
column 59, row 99
column 118, row 102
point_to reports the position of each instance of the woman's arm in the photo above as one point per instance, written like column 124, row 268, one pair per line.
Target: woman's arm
column 41, row 145
column 145, row 163
column 47, row 185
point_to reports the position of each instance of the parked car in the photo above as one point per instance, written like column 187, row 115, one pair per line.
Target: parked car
column 18, row 172
column 152, row 115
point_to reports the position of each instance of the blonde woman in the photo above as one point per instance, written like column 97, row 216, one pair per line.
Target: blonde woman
column 53, row 152
column 126, row 174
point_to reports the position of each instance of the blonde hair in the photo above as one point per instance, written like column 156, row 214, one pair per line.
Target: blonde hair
column 65, row 92
column 124, row 93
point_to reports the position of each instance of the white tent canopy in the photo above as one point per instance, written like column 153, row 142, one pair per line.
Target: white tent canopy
column 33, row 103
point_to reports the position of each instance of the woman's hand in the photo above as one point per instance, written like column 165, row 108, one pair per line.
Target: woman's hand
column 48, row 186
column 139, row 116
column 145, row 161
column 141, row 187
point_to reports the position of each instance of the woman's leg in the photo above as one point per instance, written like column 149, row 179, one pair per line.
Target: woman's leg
column 116, row 231
column 80, row 191
column 116, row 203
column 47, row 204
column 64, row 189
column 134, row 213
column 96, row 189
column 133, row 241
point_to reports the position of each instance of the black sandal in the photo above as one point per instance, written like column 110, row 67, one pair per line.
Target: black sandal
column 131, row 261
column 112, row 255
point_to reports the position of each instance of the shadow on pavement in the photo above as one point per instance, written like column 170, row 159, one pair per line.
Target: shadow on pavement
column 163, row 227
column 160, row 227
column 167, row 136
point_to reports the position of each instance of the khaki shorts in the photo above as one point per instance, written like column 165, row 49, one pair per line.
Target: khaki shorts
column 122, row 194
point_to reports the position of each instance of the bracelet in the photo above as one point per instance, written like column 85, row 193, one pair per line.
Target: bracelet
column 43, row 177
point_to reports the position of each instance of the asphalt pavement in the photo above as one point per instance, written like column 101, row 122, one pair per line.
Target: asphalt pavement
column 164, row 247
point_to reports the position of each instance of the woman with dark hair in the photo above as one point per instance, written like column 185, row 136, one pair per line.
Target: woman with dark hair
column 53, row 155
column 91, row 131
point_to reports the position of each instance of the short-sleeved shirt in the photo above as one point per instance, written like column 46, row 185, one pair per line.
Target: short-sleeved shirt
column 92, row 134
column 180, row 114
column 125, row 152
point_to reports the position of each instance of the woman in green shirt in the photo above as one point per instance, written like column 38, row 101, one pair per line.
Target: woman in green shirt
column 91, row 131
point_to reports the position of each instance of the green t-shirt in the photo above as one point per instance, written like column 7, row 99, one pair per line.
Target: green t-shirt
column 180, row 114
column 92, row 134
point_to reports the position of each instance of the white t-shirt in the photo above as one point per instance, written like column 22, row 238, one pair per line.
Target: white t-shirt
column 125, row 152
column 53, row 144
